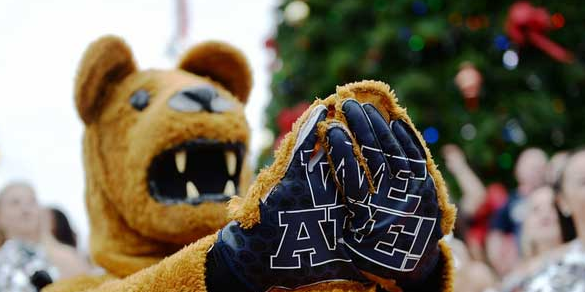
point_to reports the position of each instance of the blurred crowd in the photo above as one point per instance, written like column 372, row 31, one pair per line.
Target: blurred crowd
column 529, row 238
column 37, row 244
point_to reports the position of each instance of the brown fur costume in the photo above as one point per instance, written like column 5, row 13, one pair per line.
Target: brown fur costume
column 131, row 234
column 130, row 231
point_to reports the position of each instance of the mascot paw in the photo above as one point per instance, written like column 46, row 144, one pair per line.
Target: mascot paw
column 394, row 225
column 296, row 243
column 352, row 199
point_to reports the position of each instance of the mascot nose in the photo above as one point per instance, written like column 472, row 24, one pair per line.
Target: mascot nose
column 200, row 98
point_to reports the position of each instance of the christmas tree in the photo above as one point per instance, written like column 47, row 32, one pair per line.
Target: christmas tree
column 493, row 77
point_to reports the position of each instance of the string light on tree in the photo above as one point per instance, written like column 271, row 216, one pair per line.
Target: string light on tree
column 534, row 82
column 502, row 42
column 557, row 20
column 468, row 132
column 416, row 43
column 296, row 12
column 431, row 135
column 513, row 132
column 510, row 60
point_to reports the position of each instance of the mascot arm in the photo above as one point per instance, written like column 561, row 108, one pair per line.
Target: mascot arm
column 184, row 272
column 188, row 270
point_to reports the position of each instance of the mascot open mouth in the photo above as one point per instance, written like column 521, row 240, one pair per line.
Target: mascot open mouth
column 196, row 171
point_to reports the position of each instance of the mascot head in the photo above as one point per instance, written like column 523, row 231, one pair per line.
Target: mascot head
column 164, row 150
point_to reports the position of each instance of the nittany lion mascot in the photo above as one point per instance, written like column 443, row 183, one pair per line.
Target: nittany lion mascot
column 353, row 201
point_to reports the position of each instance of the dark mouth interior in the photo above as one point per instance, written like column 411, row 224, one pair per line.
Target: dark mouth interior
column 196, row 171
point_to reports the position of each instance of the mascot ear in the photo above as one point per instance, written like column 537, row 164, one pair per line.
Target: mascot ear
column 105, row 63
column 222, row 63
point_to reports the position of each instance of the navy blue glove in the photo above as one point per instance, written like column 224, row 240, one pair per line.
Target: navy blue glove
column 393, row 233
column 298, row 241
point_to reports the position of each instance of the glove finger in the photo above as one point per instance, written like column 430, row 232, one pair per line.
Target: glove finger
column 347, row 169
column 307, row 136
column 388, row 142
column 360, row 126
column 309, row 166
column 399, row 183
column 412, row 147
column 408, row 140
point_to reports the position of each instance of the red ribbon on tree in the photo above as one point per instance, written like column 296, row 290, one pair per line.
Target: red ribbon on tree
column 527, row 24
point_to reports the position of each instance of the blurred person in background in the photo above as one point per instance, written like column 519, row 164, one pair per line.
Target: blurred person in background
column 470, row 275
column 541, row 235
column 472, row 188
column 564, row 268
column 495, row 215
column 555, row 167
column 530, row 174
column 31, row 257
column 541, row 230
column 478, row 203
column 545, row 228
column 503, row 240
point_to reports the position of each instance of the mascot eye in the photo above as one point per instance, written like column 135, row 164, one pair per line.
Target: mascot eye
column 140, row 99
